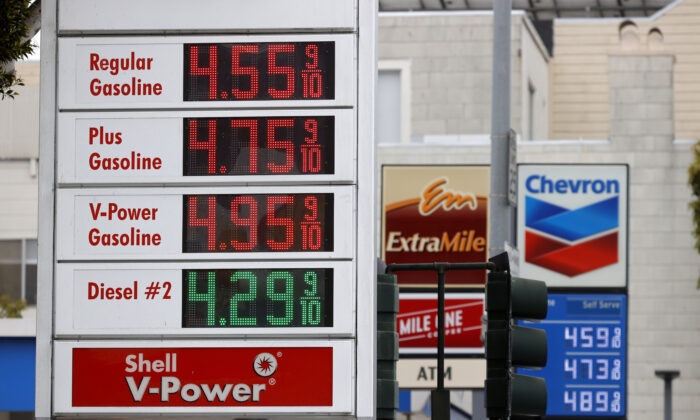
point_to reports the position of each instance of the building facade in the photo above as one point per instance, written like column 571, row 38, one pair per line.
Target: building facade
column 19, row 154
column 613, row 91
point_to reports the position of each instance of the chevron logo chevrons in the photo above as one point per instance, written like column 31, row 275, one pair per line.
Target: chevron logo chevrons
column 571, row 241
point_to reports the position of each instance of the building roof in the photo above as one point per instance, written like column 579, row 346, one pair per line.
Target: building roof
column 539, row 10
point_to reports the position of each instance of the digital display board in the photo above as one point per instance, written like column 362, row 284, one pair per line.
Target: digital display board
column 258, row 146
column 254, row 298
column 259, row 71
column 587, row 354
column 258, row 223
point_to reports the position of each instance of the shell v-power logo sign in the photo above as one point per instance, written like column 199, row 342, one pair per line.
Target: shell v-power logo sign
column 572, row 224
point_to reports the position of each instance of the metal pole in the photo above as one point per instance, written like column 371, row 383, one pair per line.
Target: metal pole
column 500, row 220
column 499, row 214
column 668, row 376
column 441, row 330
column 440, row 398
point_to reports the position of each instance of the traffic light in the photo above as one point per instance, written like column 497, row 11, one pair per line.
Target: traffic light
column 387, row 345
column 508, row 345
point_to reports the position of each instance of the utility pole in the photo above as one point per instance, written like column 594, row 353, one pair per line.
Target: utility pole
column 500, row 220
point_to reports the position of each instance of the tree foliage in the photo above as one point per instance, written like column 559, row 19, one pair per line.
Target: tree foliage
column 10, row 308
column 15, row 41
column 694, row 181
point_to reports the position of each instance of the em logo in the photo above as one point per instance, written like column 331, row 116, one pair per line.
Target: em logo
column 571, row 241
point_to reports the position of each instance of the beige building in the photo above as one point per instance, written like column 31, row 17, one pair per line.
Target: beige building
column 581, row 73
column 19, row 154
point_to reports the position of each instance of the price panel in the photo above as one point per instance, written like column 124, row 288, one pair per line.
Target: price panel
column 207, row 147
column 587, row 354
column 259, row 71
column 185, row 223
column 252, row 146
column 258, row 223
column 262, row 71
column 258, row 298
column 187, row 298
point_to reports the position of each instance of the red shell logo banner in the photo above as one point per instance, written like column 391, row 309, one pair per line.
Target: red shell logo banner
column 435, row 214
column 154, row 377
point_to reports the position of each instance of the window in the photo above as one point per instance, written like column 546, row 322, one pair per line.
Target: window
column 393, row 103
column 18, row 261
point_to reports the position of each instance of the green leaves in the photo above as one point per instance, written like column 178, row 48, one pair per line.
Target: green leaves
column 694, row 182
column 14, row 27
column 10, row 308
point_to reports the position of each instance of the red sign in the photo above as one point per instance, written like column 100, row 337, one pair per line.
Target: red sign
column 417, row 323
column 151, row 377
column 436, row 214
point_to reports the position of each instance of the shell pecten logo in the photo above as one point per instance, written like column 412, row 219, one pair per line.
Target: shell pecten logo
column 435, row 195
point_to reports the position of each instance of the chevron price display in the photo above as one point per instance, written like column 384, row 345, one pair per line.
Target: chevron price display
column 258, row 298
column 587, row 357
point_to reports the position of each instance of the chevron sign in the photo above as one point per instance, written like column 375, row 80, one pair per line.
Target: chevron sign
column 573, row 224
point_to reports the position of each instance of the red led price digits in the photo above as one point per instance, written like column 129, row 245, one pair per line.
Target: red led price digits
column 311, row 150
column 311, row 226
column 260, row 71
column 252, row 126
column 273, row 219
column 233, row 146
column 273, row 68
column 286, row 145
column 209, row 222
column 251, row 222
column 312, row 77
column 258, row 222
column 209, row 145
column 238, row 70
column 210, row 71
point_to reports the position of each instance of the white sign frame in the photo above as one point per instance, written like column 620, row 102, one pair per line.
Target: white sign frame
column 352, row 19
column 214, row 16
column 168, row 54
column 343, row 374
column 73, row 166
column 71, row 248
column 127, row 317
column 609, row 276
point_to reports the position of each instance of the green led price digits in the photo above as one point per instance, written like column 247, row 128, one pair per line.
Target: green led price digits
column 252, row 281
column 258, row 298
column 209, row 297
column 310, row 303
column 287, row 297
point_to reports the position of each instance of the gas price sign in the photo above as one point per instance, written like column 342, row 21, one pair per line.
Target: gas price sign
column 259, row 71
column 255, row 298
column 587, row 356
column 210, row 168
column 258, row 298
column 258, row 223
